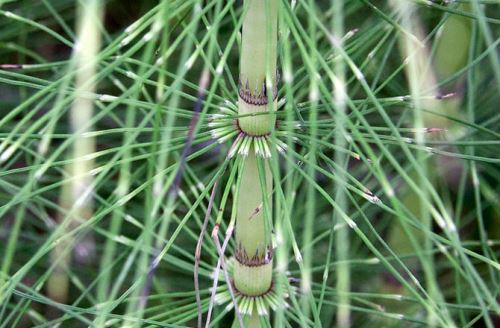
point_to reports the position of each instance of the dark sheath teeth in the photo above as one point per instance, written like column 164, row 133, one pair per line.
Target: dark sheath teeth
column 257, row 260
column 256, row 97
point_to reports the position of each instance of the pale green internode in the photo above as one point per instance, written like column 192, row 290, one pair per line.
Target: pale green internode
column 258, row 76
column 253, row 254
column 256, row 125
column 259, row 43
column 253, row 238
column 253, row 280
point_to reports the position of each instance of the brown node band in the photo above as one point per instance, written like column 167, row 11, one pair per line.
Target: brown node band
column 256, row 97
column 253, row 261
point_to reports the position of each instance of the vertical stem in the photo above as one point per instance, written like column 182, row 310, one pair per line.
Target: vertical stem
column 258, row 60
column 342, row 245
column 257, row 94
column 76, row 197
column 310, row 207
column 420, row 78
column 253, row 270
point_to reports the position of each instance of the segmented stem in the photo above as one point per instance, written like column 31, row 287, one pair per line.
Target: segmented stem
column 257, row 94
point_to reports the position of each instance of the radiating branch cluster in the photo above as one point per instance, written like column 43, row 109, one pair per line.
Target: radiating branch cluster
column 225, row 126
column 273, row 298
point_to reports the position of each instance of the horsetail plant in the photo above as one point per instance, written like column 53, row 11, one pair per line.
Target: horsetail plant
column 253, row 265
column 251, row 122
column 326, row 201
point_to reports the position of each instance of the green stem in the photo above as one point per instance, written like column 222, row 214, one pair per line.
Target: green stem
column 253, row 267
column 258, row 61
column 76, row 194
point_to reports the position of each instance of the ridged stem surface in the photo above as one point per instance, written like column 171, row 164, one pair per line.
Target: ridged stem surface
column 253, row 267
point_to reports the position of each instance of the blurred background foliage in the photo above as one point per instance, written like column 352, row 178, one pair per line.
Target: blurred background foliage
column 142, row 111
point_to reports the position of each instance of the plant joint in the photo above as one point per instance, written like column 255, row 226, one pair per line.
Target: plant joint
column 256, row 260
column 257, row 97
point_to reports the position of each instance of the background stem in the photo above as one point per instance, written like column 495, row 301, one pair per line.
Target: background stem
column 76, row 195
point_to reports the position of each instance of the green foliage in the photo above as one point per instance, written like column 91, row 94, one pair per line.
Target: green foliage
column 385, row 199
